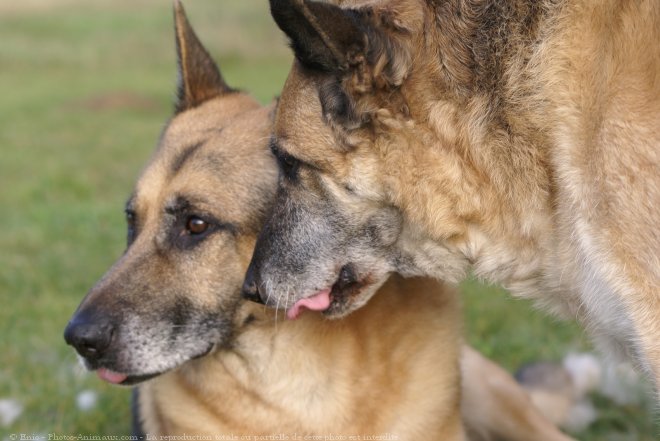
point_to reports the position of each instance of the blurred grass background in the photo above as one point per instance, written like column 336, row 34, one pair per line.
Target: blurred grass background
column 86, row 88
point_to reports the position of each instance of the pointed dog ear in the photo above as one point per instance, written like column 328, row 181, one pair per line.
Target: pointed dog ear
column 364, row 50
column 323, row 36
column 371, row 45
column 198, row 77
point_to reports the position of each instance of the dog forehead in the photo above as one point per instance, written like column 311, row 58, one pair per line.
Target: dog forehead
column 204, row 130
column 199, row 121
column 224, row 167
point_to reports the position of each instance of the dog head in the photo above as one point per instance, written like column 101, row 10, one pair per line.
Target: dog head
column 344, row 136
column 192, row 221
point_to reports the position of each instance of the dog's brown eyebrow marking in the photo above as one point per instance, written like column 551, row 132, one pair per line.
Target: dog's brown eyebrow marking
column 177, row 205
column 185, row 154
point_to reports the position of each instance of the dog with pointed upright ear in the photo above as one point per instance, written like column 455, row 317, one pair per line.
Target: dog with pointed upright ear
column 359, row 51
column 199, row 78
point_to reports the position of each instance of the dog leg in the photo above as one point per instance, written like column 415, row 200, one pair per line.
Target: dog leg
column 494, row 406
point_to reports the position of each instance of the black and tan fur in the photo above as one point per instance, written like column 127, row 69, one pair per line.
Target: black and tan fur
column 171, row 308
column 519, row 140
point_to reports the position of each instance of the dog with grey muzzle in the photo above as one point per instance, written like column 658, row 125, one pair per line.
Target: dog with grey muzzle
column 170, row 309
column 515, row 140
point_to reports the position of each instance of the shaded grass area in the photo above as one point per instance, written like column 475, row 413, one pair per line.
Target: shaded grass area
column 87, row 87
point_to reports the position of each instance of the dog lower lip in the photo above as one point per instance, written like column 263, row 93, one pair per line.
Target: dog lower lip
column 132, row 380
column 135, row 379
column 118, row 378
column 203, row 353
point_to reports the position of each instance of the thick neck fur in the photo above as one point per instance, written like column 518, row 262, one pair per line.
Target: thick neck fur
column 487, row 189
column 321, row 376
column 477, row 40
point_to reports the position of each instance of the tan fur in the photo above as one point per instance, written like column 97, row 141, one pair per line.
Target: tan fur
column 530, row 156
column 606, row 109
column 390, row 370
column 315, row 376
column 373, row 373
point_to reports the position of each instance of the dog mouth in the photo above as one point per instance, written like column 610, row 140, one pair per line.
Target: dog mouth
column 118, row 378
column 124, row 379
column 320, row 301
column 332, row 301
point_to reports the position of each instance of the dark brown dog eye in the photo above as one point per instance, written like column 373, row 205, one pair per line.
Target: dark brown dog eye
column 196, row 225
column 289, row 165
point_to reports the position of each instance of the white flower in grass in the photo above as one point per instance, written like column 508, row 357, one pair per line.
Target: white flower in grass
column 86, row 400
column 9, row 410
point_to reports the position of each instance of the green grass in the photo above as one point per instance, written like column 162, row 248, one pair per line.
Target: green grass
column 86, row 88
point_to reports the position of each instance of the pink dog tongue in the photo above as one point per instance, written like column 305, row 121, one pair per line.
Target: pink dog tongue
column 110, row 376
column 318, row 302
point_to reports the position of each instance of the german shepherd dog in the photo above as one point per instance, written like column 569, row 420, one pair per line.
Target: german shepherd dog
column 519, row 140
column 170, row 310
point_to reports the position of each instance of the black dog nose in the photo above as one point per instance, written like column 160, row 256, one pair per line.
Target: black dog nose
column 89, row 335
column 250, row 287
